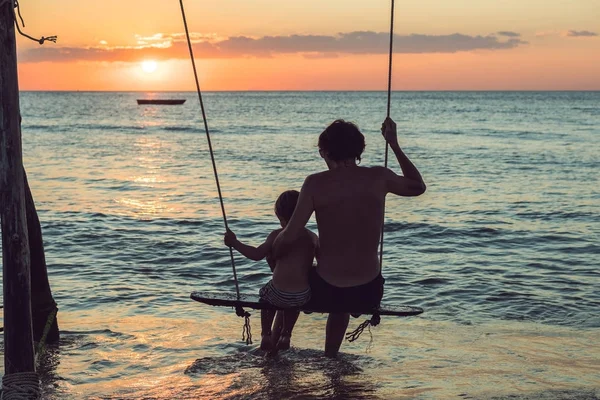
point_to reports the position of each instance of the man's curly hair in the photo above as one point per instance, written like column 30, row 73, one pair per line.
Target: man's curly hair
column 342, row 140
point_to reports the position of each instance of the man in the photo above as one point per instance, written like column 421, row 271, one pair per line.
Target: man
column 349, row 204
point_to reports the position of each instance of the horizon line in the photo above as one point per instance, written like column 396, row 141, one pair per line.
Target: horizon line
column 309, row 90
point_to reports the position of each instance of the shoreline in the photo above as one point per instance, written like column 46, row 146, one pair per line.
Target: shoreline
column 134, row 357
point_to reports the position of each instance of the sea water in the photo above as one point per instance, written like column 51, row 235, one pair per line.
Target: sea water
column 502, row 251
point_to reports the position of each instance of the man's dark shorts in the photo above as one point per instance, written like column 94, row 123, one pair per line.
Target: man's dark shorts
column 356, row 299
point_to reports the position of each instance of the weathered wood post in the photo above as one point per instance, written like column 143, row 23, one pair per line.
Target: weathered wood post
column 18, row 335
column 43, row 306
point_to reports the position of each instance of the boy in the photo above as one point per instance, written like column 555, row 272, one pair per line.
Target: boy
column 289, row 287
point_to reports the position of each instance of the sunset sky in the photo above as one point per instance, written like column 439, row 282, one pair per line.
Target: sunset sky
column 312, row 45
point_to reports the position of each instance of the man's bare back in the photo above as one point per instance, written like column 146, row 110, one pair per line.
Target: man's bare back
column 348, row 244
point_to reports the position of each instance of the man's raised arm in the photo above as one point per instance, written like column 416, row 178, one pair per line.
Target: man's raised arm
column 411, row 184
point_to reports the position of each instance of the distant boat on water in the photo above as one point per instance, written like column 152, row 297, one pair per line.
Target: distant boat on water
column 170, row 102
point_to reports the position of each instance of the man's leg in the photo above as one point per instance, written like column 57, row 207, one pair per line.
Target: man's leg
column 334, row 334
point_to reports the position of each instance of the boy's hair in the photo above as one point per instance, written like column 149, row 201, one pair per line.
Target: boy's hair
column 342, row 140
column 286, row 203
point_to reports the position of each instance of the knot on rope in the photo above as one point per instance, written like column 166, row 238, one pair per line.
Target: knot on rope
column 40, row 41
column 246, row 331
column 355, row 334
column 21, row 386
column 49, row 39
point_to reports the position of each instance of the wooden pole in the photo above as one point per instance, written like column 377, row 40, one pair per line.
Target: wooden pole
column 42, row 302
column 18, row 335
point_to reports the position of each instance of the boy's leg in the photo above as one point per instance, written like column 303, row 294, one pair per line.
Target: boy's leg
column 337, row 323
column 289, row 320
column 277, row 326
column 266, row 320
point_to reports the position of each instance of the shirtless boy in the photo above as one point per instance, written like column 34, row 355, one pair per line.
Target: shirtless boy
column 289, row 288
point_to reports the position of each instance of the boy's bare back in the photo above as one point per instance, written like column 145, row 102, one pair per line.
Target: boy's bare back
column 291, row 270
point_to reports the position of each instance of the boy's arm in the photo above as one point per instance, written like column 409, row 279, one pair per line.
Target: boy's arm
column 253, row 253
column 302, row 212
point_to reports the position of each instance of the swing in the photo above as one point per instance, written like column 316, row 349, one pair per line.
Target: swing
column 253, row 302
column 239, row 301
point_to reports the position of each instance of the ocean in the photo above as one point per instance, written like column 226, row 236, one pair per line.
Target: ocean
column 502, row 251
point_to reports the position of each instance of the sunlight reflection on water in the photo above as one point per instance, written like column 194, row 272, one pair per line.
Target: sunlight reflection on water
column 160, row 358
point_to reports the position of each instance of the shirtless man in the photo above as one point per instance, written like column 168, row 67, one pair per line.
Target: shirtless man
column 348, row 201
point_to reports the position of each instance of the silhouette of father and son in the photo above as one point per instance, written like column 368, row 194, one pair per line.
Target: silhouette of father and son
column 348, row 202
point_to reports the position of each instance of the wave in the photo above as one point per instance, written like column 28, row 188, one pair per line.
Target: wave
column 56, row 128
column 193, row 129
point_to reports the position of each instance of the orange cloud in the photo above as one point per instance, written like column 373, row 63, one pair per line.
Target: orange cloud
column 509, row 34
column 573, row 33
column 173, row 46
column 520, row 69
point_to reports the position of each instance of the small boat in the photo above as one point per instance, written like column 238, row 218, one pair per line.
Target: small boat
column 170, row 102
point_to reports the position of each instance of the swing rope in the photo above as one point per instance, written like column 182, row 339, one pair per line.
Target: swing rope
column 375, row 318
column 389, row 102
column 246, row 335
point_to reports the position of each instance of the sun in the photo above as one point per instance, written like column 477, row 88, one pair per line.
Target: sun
column 149, row 66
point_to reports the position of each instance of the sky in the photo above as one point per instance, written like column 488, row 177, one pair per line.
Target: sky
column 311, row 45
